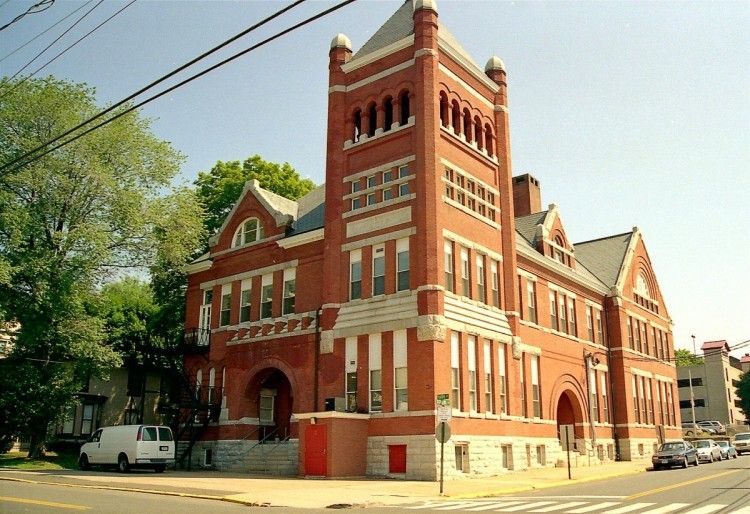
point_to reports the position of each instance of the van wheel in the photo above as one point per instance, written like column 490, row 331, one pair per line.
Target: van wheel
column 122, row 463
column 83, row 462
column 160, row 468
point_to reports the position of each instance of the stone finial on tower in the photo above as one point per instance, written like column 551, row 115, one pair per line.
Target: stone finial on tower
column 341, row 52
column 495, row 70
column 425, row 4
column 341, row 41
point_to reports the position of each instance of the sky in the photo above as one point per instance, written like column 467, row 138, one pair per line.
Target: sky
column 629, row 113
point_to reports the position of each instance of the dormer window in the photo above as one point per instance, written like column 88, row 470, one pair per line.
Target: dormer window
column 557, row 250
column 249, row 231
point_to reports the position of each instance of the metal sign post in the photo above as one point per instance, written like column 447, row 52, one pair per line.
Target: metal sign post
column 442, row 431
column 568, row 436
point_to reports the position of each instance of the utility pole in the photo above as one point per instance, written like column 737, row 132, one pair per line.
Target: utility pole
column 692, row 398
column 694, row 352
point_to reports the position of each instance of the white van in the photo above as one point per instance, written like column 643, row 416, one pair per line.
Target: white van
column 129, row 446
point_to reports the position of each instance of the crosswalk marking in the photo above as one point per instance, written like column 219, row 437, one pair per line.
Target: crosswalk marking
column 524, row 507
column 490, row 506
column 432, row 505
column 706, row 509
column 591, row 508
column 667, row 508
column 743, row 510
column 562, row 506
column 462, row 505
column 631, row 508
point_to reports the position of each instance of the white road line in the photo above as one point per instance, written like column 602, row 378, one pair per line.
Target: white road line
column 461, row 506
column 706, row 509
column 591, row 508
column 631, row 508
column 432, row 505
column 743, row 510
column 524, row 506
column 560, row 507
column 490, row 506
column 667, row 508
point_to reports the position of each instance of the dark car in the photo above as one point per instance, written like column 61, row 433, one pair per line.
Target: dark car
column 675, row 453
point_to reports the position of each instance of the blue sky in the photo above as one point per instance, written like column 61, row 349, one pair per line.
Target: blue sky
column 629, row 113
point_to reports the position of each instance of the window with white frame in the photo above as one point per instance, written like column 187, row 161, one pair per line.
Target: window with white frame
column 226, row 305
column 503, row 382
column 599, row 327
column 372, row 199
column 356, row 203
column 376, row 373
column 649, row 404
column 448, row 264
column 636, row 409
column 495, row 284
column 355, row 186
column 642, row 398
column 378, row 270
column 553, row 310
column 266, row 296
column 572, row 316
column 487, row 361
column 455, row 371
column 290, row 280
column 249, row 231
column 522, row 383
column 265, row 409
column 561, row 313
column 400, row 374
column 372, row 181
column 536, row 398
column 593, row 398
column 465, row 273
column 350, row 369
column 589, row 323
column 87, row 419
column 245, row 299
column 402, row 264
column 204, row 319
column 531, row 300
column 480, row 279
column 472, row 365
column 211, row 384
column 605, row 403
column 355, row 274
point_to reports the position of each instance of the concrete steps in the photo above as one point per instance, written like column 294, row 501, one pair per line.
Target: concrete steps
column 277, row 458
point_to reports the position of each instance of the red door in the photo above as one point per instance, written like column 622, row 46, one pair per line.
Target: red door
column 316, row 450
column 397, row 458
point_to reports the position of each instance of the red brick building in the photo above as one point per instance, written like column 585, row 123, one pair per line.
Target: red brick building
column 423, row 267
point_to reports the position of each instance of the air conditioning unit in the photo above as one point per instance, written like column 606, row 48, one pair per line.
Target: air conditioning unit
column 337, row 404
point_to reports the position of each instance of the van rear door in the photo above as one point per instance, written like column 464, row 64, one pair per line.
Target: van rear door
column 166, row 444
column 148, row 445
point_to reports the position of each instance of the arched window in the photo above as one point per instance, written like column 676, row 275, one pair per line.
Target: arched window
column 641, row 286
column 249, row 231
column 372, row 114
column 388, row 112
column 357, row 125
column 467, row 126
column 456, row 117
column 405, row 108
column 488, row 139
column 443, row 110
column 557, row 250
column 478, row 133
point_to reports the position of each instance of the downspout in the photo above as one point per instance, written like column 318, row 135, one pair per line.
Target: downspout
column 317, row 361
column 609, row 385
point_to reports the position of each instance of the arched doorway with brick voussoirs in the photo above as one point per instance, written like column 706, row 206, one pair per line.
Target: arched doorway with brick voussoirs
column 270, row 399
column 569, row 409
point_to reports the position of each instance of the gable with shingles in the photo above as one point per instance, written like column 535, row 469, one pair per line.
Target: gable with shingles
column 526, row 226
column 604, row 257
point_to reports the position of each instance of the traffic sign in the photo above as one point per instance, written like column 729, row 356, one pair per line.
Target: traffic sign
column 444, row 413
column 442, row 432
column 443, row 399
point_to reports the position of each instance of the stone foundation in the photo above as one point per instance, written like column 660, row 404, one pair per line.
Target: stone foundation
column 270, row 458
column 638, row 448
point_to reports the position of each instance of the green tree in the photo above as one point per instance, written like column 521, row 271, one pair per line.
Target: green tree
column 70, row 222
column 743, row 393
column 684, row 358
column 221, row 187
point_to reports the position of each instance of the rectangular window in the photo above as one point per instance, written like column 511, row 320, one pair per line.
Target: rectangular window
column 403, row 189
column 536, row 398
column 371, row 199
column 403, row 171
column 531, row 300
column 402, row 264
column 655, row 351
column 448, row 265
column 387, row 194
column 387, row 176
column 376, row 376
column 465, row 273
column 245, row 298
column 495, row 284
column 561, row 314
column 350, row 369
column 371, row 181
column 480, row 278
column 356, row 203
column 487, row 376
column 455, row 371
column 553, row 310
column 605, row 403
column 472, row 341
column 589, row 323
column 599, row 328
column 502, row 394
column 649, row 404
column 636, row 408
column 204, row 319
column 378, row 270
column 290, row 276
column 400, row 375
column 266, row 296
column 68, row 421
column 355, row 186
column 266, row 406
column 592, row 394
column 642, row 398
column 572, row 317
column 522, row 384
column 644, row 337
column 355, row 274
column 630, row 333
column 87, row 419
column 226, row 304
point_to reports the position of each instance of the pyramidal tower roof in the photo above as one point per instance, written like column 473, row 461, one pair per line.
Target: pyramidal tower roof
column 401, row 25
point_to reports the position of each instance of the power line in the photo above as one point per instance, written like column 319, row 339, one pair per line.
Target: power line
column 189, row 79
column 71, row 13
column 48, row 46
column 43, row 6
column 154, row 83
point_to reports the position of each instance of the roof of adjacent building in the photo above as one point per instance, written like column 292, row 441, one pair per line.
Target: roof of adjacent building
column 715, row 345
column 604, row 256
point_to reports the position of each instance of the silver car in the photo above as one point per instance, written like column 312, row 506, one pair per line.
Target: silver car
column 708, row 450
column 742, row 442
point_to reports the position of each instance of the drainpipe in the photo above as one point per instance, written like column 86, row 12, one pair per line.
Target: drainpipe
column 611, row 398
column 316, row 393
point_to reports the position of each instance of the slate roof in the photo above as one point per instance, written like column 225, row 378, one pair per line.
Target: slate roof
column 526, row 225
column 714, row 345
column 311, row 211
column 604, row 257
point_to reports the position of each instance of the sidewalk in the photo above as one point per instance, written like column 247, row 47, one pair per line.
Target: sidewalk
column 320, row 493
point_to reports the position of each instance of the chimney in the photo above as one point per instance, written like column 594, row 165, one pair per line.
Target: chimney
column 527, row 195
column 745, row 362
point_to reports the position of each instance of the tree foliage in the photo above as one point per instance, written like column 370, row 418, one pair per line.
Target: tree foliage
column 685, row 358
column 221, row 187
column 743, row 393
column 69, row 222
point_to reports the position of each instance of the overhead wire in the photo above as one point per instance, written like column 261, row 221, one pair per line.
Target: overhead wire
column 156, row 82
column 44, row 4
column 58, row 22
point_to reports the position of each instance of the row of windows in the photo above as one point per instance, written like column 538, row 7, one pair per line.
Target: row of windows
column 383, row 116
column 376, row 187
column 378, row 270
column 648, row 393
column 463, row 124
column 470, row 193
column 638, row 339
column 646, row 303
column 398, row 374
column 264, row 297
column 472, row 280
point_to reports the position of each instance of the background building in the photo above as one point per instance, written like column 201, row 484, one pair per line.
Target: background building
column 423, row 270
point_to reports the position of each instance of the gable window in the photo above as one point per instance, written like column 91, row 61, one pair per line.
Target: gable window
column 245, row 297
column 287, row 304
column 266, row 296
column 355, row 274
column 248, row 232
column 378, row 270
column 557, row 250
column 402, row 264
column 226, row 304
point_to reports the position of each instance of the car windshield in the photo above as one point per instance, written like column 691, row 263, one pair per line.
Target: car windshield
column 742, row 437
column 722, row 443
column 702, row 444
column 666, row 447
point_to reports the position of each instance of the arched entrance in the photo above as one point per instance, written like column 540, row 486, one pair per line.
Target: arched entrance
column 569, row 412
column 271, row 400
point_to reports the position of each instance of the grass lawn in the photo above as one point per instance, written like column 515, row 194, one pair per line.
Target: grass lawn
column 18, row 460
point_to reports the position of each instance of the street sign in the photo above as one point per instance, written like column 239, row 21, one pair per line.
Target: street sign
column 443, row 399
column 442, row 432
column 444, row 413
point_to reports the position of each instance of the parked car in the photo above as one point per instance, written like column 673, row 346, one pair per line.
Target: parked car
column 708, row 450
column 718, row 427
column 727, row 450
column 674, row 453
column 742, row 442
column 129, row 446
column 694, row 430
